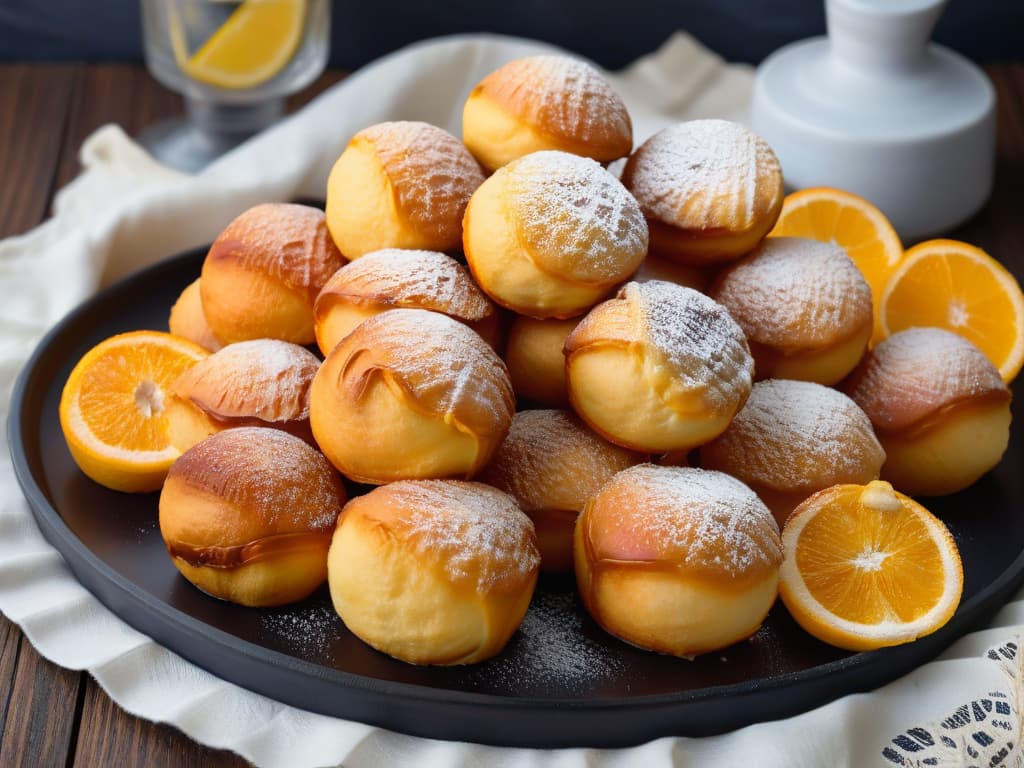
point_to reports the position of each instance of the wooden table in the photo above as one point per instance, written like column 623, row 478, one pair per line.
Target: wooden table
column 51, row 716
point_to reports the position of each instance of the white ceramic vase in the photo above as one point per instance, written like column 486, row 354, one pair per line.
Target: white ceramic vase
column 876, row 109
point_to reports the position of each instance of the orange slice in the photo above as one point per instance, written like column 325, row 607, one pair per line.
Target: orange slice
column 111, row 409
column 956, row 286
column 848, row 220
column 866, row 567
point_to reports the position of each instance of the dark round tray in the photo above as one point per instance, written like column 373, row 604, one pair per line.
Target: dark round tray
column 560, row 682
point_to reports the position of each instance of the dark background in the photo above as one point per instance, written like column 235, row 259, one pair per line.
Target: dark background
column 611, row 32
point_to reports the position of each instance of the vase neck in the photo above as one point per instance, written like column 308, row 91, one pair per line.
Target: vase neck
column 887, row 36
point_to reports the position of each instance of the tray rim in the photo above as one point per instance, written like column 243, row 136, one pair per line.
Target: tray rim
column 111, row 589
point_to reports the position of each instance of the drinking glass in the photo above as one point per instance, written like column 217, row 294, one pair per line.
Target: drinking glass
column 234, row 62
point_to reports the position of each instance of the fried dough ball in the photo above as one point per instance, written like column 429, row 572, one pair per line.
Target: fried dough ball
column 545, row 102
column 677, row 560
column 400, row 184
column 710, row 189
column 551, row 234
column 433, row 571
column 939, row 406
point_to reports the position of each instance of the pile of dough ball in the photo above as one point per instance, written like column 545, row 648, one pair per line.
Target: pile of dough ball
column 542, row 366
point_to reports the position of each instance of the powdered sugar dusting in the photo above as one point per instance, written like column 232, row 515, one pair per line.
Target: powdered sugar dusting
column 550, row 460
column 914, row 372
column 432, row 174
column 798, row 435
column 549, row 650
column 574, row 217
column 275, row 477
column 795, row 293
column 705, row 174
column 265, row 379
column 698, row 519
column 701, row 343
column 308, row 629
column 412, row 278
column 446, row 366
column 475, row 531
column 564, row 96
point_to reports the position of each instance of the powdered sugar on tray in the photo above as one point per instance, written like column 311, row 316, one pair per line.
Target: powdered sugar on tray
column 309, row 629
column 704, row 174
column 701, row 519
column 551, row 652
column 703, row 345
column 475, row 531
column 796, row 293
column 412, row 278
column 575, row 218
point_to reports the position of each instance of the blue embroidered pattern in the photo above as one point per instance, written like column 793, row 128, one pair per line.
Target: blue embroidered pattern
column 980, row 734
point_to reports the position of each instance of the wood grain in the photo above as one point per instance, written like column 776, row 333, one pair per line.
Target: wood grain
column 129, row 97
column 10, row 644
column 110, row 737
column 998, row 228
column 35, row 103
column 112, row 93
column 41, row 716
column 37, row 705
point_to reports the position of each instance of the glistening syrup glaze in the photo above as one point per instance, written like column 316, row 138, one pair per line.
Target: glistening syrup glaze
column 266, row 548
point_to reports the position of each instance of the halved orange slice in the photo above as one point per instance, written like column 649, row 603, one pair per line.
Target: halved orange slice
column 866, row 567
column 111, row 409
column 848, row 220
column 956, row 286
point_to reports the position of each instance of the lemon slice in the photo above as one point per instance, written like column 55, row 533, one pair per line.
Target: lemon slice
column 251, row 47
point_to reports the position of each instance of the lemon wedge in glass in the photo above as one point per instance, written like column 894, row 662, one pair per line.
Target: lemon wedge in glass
column 255, row 43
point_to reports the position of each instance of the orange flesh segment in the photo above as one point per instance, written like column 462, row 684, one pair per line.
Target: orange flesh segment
column 869, row 568
column 120, row 397
column 111, row 408
column 952, row 285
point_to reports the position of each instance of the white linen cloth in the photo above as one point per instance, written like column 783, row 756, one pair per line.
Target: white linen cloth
column 125, row 211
